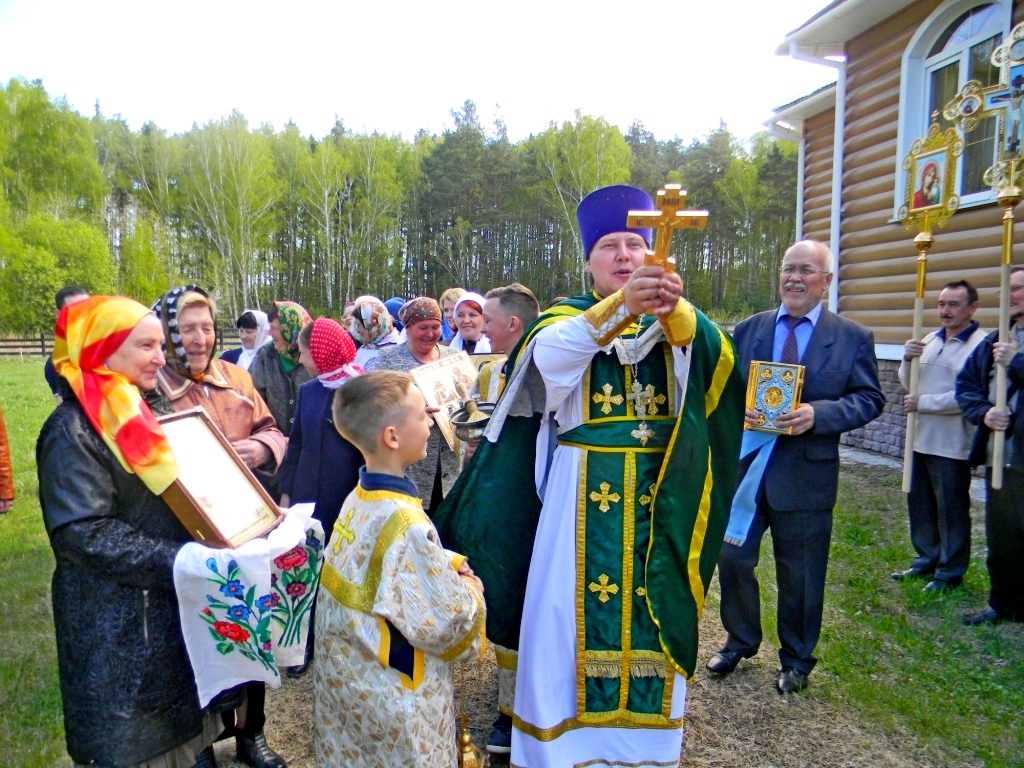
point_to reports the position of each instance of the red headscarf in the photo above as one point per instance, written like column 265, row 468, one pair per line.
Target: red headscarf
column 333, row 352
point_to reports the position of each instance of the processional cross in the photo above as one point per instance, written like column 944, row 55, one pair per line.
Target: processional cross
column 666, row 218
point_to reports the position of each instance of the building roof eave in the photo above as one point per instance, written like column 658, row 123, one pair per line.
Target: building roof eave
column 788, row 119
column 830, row 29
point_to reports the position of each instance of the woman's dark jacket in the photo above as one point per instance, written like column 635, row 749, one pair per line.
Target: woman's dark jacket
column 321, row 466
column 125, row 678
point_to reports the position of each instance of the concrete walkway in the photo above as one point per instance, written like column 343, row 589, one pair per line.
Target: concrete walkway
column 859, row 456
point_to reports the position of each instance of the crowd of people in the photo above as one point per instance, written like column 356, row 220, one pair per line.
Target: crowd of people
column 578, row 537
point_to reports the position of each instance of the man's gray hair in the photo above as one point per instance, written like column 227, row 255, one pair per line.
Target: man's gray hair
column 819, row 248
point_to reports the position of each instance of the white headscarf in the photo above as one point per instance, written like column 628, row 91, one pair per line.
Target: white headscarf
column 262, row 337
column 483, row 344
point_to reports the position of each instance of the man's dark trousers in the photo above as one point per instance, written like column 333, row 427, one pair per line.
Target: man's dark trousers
column 1004, row 528
column 800, row 541
column 939, row 504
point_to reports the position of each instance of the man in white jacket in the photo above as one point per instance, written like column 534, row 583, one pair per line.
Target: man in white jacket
column 939, row 500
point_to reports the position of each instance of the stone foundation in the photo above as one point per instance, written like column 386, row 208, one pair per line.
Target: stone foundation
column 885, row 434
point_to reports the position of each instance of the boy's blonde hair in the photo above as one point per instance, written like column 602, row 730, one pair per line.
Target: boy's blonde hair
column 369, row 403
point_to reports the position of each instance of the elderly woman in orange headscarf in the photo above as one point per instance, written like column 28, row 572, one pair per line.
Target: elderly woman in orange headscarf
column 126, row 682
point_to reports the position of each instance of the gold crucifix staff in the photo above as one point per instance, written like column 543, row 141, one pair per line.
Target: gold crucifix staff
column 1003, row 102
column 666, row 218
column 930, row 168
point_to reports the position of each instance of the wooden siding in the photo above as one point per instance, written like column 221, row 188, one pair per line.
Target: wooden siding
column 877, row 256
column 819, row 139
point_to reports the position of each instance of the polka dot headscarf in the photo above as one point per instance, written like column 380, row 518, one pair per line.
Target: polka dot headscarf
column 333, row 351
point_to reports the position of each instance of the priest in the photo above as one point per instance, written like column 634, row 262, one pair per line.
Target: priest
column 624, row 410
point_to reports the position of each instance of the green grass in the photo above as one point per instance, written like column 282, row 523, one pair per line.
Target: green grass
column 32, row 734
column 902, row 657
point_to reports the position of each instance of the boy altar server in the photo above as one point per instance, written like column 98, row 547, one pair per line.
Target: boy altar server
column 396, row 609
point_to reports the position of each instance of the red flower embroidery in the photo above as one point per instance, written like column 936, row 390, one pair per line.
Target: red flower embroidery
column 293, row 558
column 231, row 631
column 207, row 611
column 296, row 589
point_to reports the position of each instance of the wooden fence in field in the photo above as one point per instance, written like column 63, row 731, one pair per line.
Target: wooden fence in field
column 43, row 343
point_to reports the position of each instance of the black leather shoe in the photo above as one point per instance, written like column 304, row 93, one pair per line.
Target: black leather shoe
column 724, row 662
column 910, row 573
column 988, row 616
column 791, row 680
column 257, row 753
column 206, row 759
column 940, row 585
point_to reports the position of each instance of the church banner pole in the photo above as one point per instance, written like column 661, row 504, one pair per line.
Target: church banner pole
column 930, row 200
column 922, row 242
column 1008, row 198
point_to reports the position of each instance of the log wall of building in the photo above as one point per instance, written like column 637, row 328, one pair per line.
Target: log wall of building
column 877, row 256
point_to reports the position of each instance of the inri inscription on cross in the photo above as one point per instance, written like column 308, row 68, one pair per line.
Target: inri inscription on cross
column 665, row 219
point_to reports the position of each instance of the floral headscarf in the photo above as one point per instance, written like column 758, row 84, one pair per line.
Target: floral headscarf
column 88, row 332
column 293, row 318
column 419, row 309
column 333, row 352
column 166, row 308
column 371, row 320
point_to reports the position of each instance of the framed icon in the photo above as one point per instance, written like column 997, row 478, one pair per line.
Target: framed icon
column 216, row 496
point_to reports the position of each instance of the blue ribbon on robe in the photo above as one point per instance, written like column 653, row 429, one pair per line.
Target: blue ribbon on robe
column 744, row 502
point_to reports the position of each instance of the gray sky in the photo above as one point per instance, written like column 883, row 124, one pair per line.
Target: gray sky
column 399, row 66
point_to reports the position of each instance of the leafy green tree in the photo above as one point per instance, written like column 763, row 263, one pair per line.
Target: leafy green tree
column 80, row 250
column 141, row 272
column 50, row 156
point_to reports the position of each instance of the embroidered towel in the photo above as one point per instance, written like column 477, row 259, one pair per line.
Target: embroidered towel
column 244, row 612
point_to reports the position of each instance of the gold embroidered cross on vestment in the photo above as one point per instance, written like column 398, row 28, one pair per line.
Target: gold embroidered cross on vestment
column 344, row 532
column 607, row 398
column 645, row 499
column 604, row 588
column 643, row 434
column 604, row 497
column 650, row 401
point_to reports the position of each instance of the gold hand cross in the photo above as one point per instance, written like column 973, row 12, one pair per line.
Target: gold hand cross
column 666, row 218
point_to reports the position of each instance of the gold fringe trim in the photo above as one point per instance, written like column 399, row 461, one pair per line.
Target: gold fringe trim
column 610, row 667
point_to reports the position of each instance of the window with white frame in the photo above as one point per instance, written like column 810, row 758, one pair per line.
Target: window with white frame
column 953, row 46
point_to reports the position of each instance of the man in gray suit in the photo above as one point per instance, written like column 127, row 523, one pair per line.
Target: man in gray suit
column 797, row 490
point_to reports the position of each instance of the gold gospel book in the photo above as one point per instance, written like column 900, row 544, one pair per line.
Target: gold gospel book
column 772, row 390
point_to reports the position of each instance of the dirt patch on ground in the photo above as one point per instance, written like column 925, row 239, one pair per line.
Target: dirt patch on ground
column 738, row 721
column 732, row 722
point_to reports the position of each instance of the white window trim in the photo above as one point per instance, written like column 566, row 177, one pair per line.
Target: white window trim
column 914, row 84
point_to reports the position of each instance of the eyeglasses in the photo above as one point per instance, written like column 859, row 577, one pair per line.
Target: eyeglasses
column 802, row 271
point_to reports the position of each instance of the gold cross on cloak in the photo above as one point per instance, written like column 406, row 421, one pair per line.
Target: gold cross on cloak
column 645, row 499
column 344, row 532
column 643, row 434
column 665, row 219
column 652, row 400
column 604, row 588
column 604, row 497
column 607, row 398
